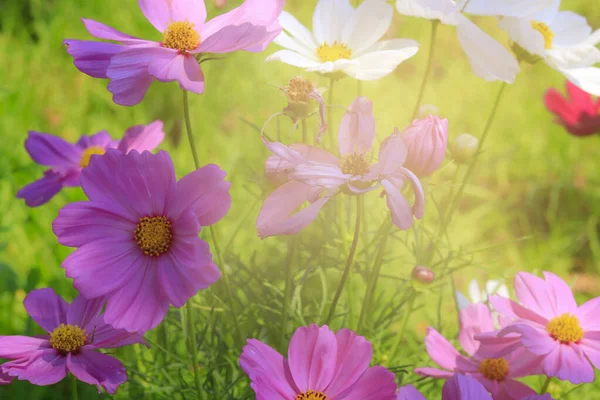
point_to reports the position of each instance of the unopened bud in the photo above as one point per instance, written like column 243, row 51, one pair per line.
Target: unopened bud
column 423, row 274
column 463, row 148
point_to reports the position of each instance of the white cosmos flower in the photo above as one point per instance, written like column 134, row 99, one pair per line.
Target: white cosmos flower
column 564, row 40
column 344, row 40
column 488, row 58
column 492, row 287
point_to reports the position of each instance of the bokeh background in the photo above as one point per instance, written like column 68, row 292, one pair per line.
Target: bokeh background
column 533, row 204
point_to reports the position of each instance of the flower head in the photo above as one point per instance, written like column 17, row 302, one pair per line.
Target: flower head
column 577, row 112
column 549, row 324
column 137, row 236
column 316, row 175
column 75, row 332
column 344, row 41
column 426, row 140
column 66, row 160
column 133, row 64
column 321, row 365
column 299, row 92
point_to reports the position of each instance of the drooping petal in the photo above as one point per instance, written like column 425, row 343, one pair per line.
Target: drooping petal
column 142, row 137
column 568, row 363
column 357, row 128
column 97, row 369
column 463, row 387
column 409, row 392
column 161, row 13
column 377, row 383
column 43, row 190
column 128, row 73
column 381, row 59
column 353, row 358
column 312, row 357
column 44, row 367
column 169, row 66
column 402, row 215
column 46, row 308
column 52, row 151
column 329, row 19
column 92, row 58
column 18, row 347
column 588, row 315
column 474, row 319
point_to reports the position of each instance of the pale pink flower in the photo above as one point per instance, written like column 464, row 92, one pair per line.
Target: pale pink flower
column 316, row 175
column 549, row 323
column 426, row 140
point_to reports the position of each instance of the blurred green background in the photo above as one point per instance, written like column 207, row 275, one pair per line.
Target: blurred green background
column 533, row 204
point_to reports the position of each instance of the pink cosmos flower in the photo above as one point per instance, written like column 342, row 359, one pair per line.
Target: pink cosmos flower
column 76, row 332
column 316, row 175
column 66, row 160
column 137, row 238
column 549, row 324
column 495, row 374
column 578, row 112
column 426, row 141
column 320, row 365
column 133, row 64
column 464, row 387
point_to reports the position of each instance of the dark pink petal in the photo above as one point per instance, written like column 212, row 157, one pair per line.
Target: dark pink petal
column 512, row 309
column 588, row 315
column 21, row 346
column 167, row 66
column 392, row 154
column 97, row 369
column 140, row 305
column 441, row 351
column 434, row 373
column 46, row 308
column 568, row 362
column 536, row 294
column 402, row 214
column 43, row 190
column 474, row 319
column 357, row 128
column 562, row 293
column 312, row 357
column 353, row 358
column 52, row 151
column 409, row 392
column 377, row 383
column 142, row 137
column 104, row 336
column 45, row 367
column 276, row 216
column 102, row 31
column 161, row 13
column 325, row 176
column 511, row 389
column 268, row 371
column 463, row 387
column 128, row 74
column 206, row 192
column 83, row 311
column 92, row 58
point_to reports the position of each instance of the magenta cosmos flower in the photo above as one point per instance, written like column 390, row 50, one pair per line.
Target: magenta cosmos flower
column 578, row 112
column 426, row 140
column 321, row 365
column 137, row 237
column 76, row 332
column 66, row 160
column 133, row 64
column 316, row 175
column 495, row 374
column 549, row 324
column 458, row 387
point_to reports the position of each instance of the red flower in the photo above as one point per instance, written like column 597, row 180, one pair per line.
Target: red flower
column 579, row 113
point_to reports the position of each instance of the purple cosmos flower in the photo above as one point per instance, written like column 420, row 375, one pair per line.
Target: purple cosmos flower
column 76, row 332
column 320, row 365
column 66, row 160
column 137, row 237
column 463, row 387
column 133, row 64
column 409, row 392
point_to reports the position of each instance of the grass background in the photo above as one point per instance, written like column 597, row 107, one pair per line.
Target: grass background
column 533, row 204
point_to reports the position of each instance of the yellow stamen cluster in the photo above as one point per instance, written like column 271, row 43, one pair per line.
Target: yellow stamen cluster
column 333, row 52
column 356, row 164
column 312, row 395
column 544, row 29
column 68, row 338
column 88, row 153
column 181, row 36
column 565, row 328
column 154, row 235
column 495, row 369
column 298, row 90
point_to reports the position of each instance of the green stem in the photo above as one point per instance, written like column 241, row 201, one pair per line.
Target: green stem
column 544, row 388
column 193, row 347
column 349, row 261
column 411, row 302
column 188, row 125
column 289, row 281
column 304, row 132
column 74, row 395
column 434, row 25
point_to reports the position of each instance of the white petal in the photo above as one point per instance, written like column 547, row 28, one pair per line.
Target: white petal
column 367, row 25
column 573, row 57
column 587, row 79
column 569, row 29
column 292, row 58
column 507, row 8
column 521, row 32
column 329, row 66
column 290, row 43
column 444, row 10
column 382, row 59
column 548, row 14
column 297, row 30
column 329, row 19
column 474, row 292
column 489, row 59
column 594, row 38
column 494, row 287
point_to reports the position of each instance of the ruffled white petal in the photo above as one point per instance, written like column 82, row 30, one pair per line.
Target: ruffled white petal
column 444, row 10
column 292, row 58
column 382, row 59
column 329, row 19
column 367, row 25
column 506, row 8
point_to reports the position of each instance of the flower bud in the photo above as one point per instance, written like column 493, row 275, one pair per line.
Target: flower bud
column 463, row 148
column 426, row 141
column 423, row 274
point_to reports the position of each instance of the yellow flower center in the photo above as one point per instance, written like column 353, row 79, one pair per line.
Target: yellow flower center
column 312, row 395
column 495, row 369
column 356, row 164
column 565, row 329
column 298, row 89
column 181, row 36
column 88, row 153
column 68, row 338
column 154, row 235
column 544, row 29
column 333, row 52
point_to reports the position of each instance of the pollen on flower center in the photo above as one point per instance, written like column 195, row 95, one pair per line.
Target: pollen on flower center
column 356, row 164
column 333, row 52
column 181, row 36
column 88, row 153
column 68, row 338
column 565, row 328
column 298, row 89
column 312, row 395
column 495, row 369
column 154, row 235
column 544, row 29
